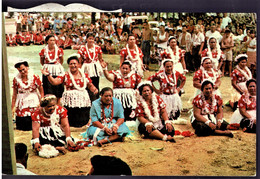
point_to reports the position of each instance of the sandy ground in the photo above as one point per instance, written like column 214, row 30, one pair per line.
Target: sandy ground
column 190, row 156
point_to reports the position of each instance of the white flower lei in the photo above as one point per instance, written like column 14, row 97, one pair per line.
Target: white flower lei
column 148, row 112
column 214, row 104
column 30, row 80
column 209, row 53
column 176, row 57
column 94, row 53
column 137, row 57
column 167, row 79
column 248, row 77
column 74, row 83
column 204, row 72
column 46, row 53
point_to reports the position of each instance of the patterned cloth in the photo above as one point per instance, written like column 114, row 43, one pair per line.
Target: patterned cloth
column 165, row 87
column 83, row 53
column 131, row 80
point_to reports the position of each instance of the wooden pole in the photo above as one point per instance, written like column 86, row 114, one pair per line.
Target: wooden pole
column 8, row 152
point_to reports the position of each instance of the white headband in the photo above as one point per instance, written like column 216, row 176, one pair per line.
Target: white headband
column 144, row 83
column 240, row 56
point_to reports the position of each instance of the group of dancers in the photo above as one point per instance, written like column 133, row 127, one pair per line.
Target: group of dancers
column 73, row 98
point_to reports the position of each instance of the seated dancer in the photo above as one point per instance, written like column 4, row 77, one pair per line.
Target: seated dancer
column 134, row 54
column 245, row 115
column 75, row 97
column 125, row 82
column 169, row 92
column 27, row 91
column 207, row 118
column 239, row 76
column 50, row 125
column 206, row 71
column 152, row 115
column 107, row 119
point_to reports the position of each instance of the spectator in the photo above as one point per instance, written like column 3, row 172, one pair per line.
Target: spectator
column 21, row 159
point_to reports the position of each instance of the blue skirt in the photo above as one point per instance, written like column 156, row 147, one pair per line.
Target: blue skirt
column 122, row 131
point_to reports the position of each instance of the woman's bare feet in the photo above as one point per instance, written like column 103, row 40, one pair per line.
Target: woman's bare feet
column 171, row 139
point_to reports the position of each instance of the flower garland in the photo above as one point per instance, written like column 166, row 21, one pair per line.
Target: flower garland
column 205, row 72
column 30, row 80
column 204, row 104
column 153, row 118
column 74, row 83
column 46, row 53
column 94, row 53
column 128, row 76
column 176, row 57
column 107, row 120
column 249, row 76
column 167, row 79
column 137, row 57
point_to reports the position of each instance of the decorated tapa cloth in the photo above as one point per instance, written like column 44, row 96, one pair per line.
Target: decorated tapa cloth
column 93, row 69
column 108, row 119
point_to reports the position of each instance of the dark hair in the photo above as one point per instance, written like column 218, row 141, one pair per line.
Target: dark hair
column 126, row 63
column 109, row 165
column 48, row 37
column 25, row 63
column 142, row 87
column 72, row 58
column 206, row 83
column 106, row 89
column 241, row 58
column 171, row 39
column 130, row 36
column 250, row 81
column 46, row 99
column 90, row 34
column 166, row 62
column 20, row 150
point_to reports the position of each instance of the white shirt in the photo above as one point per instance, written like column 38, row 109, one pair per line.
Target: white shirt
column 215, row 34
column 252, row 43
column 20, row 170
column 197, row 39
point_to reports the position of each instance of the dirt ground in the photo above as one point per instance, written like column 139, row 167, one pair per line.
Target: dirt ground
column 190, row 156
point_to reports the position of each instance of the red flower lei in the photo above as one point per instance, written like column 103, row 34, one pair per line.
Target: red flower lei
column 104, row 115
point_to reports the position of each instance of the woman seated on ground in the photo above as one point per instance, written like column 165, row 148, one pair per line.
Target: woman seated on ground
column 125, row 82
column 107, row 119
column 239, row 76
column 26, row 97
column 207, row 118
column 245, row 115
column 169, row 92
column 50, row 125
column 152, row 115
column 75, row 97
column 206, row 71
